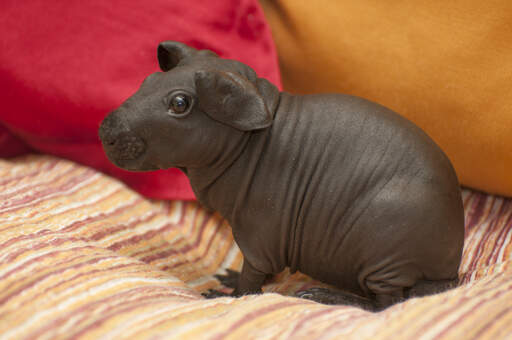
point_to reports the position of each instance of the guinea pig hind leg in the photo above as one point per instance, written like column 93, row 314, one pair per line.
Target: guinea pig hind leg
column 388, row 289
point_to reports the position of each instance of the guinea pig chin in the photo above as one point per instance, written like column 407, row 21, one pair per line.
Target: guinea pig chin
column 138, row 165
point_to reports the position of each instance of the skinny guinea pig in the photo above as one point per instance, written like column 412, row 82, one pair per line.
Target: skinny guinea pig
column 335, row 186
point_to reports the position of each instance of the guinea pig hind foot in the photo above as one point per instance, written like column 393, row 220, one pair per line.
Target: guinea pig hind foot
column 333, row 297
column 428, row 287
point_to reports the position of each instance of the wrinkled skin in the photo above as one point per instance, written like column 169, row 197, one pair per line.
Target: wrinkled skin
column 335, row 186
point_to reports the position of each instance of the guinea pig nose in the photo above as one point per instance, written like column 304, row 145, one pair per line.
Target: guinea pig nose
column 129, row 147
column 109, row 127
column 111, row 121
column 106, row 137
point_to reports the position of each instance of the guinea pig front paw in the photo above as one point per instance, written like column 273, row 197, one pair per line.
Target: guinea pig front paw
column 230, row 279
column 213, row 293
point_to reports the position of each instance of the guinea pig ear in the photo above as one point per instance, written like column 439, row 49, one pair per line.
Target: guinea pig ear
column 170, row 53
column 231, row 99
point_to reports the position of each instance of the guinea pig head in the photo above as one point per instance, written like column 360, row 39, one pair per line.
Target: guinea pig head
column 187, row 116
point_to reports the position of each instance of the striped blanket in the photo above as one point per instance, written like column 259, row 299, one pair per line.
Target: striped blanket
column 84, row 257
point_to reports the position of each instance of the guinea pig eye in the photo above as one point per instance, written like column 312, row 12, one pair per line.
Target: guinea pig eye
column 179, row 104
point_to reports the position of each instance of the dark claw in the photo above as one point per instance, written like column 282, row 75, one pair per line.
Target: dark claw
column 229, row 280
column 212, row 294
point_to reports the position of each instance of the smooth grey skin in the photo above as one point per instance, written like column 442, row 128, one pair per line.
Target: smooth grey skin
column 336, row 186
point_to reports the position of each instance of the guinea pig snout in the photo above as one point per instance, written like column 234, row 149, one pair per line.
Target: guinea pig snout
column 118, row 141
column 128, row 147
column 110, row 127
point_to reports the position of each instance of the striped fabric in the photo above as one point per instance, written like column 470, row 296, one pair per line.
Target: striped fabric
column 83, row 257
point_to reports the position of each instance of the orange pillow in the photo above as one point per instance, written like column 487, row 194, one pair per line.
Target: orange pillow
column 447, row 66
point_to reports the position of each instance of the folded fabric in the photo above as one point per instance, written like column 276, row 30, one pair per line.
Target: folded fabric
column 447, row 66
column 10, row 145
column 82, row 256
column 65, row 65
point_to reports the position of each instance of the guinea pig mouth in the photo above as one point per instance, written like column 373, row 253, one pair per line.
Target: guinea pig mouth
column 128, row 147
column 136, row 166
column 128, row 152
column 139, row 164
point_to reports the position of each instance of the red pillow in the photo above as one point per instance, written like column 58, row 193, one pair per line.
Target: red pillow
column 65, row 64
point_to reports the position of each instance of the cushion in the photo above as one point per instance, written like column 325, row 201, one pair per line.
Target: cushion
column 445, row 65
column 65, row 65
column 84, row 256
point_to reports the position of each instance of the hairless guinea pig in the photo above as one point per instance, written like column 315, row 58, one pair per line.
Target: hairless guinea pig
column 335, row 186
